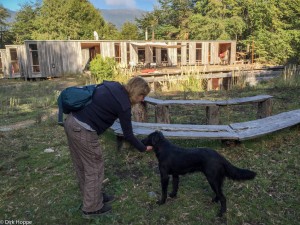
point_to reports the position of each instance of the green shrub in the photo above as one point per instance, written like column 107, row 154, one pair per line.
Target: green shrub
column 103, row 68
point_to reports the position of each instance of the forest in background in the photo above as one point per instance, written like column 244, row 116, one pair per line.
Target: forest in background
column 272, row 27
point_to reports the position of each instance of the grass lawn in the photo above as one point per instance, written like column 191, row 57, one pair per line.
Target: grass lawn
column 41, row 187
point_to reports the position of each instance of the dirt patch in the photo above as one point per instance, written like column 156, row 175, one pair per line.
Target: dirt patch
column 27, row 123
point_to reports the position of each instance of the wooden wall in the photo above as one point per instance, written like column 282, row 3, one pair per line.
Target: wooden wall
column 4, row 62
column 57, row 58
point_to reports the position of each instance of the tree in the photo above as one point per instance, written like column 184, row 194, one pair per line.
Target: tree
column 67, row 19
column 110, row 32
column 170, row 20
column 129, row 31
column 23, row 26
column 3, row 15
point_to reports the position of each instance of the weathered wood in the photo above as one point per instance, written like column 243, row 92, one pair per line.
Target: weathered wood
column 139, row 112
column 236, row 131
column 256, row 128
column 162, row 114
column 181, row 130
column 244, row 100
column 154, row 101
column 264, row 109
column 212, row 115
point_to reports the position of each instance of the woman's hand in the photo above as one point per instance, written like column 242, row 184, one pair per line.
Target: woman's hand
column 149, row 148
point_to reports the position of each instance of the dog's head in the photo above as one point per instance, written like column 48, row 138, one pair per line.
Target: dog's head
column 153, row 139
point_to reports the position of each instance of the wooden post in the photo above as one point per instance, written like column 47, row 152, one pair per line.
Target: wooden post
column 162, row 114
column 264, row 109
column 212, row 115
column 122, row 144
column 139, row 112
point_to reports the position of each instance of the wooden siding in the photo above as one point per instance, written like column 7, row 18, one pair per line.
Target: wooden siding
column 148, row 54
column 233, row 53
column 158, row 56
column 4, row 63
column 214, row 52
column 133, row 53
column 85, row 55
column 172, row 53
column 192, row 53
column 183, row 53
column 57, row 58
column 205, row 53
column 23, row 61
column 123, row 46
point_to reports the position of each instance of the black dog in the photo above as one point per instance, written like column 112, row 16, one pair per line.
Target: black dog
column 175, row 161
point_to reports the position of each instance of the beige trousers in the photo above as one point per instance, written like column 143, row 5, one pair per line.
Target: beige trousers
column 86, row 155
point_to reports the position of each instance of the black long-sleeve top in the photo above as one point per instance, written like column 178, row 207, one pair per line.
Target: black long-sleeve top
column 110, row 101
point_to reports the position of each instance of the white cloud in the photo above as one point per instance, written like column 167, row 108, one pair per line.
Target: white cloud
column 121, row 3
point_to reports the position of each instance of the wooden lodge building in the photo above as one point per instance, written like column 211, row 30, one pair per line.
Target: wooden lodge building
column 41, row 59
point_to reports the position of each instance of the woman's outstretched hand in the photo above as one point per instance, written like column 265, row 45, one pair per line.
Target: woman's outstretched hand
column 149, row 148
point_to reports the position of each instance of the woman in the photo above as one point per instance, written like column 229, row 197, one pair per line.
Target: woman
column 111, row 100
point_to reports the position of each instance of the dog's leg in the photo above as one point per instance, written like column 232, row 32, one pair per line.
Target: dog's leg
column 175, row 182
column 164, row 179
column 222, row 201
column 216, row 185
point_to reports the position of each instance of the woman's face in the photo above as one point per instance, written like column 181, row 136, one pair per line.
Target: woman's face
column 137, row 99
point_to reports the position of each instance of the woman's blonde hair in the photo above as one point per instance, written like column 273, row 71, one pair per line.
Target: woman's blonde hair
column 137, row 86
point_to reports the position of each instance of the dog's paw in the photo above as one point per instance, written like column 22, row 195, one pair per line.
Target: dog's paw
column 160, row 202
column 216, row 199
column 173, row 195
column 220, row 214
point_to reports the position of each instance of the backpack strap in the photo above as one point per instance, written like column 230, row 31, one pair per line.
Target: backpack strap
column 60, row 112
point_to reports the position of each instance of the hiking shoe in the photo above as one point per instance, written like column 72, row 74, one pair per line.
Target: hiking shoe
column 89, row 215
column 108, row 198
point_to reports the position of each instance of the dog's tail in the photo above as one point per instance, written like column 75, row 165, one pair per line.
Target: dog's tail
column 236, row 173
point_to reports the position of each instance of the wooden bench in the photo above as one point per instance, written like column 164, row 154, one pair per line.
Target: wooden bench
column 235, row 131
column 162, row 112
column 256, row 128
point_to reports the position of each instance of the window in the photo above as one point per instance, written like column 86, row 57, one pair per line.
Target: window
column 35, row 65
column 154, row 54
column 117, row 52
column 141, row 55
column 198, row 53
column 179, row 53
column 14, row 60
column 187, row 53
column 164, row 55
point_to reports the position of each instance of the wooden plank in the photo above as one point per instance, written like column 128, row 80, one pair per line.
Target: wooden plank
column 154, row 101
column 245, row 100
column 256, row 128
column 188, row 131
column 234, row 101
column 236, row 131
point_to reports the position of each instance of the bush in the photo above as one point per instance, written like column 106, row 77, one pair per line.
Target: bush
column 103, row 68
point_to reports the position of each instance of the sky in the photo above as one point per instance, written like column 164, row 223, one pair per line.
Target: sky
column 147, row 5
